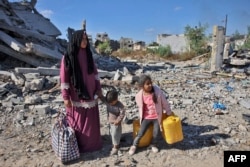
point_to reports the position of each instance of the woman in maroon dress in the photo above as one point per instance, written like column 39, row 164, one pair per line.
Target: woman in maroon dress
column 80, row 86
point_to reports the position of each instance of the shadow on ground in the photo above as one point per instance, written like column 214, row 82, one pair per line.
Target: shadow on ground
column 197, row 137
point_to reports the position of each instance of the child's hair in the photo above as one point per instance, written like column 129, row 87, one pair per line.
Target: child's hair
column 111, row 96
column 142, row 80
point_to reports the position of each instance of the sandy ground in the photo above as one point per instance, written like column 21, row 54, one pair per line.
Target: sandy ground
column 30, row 147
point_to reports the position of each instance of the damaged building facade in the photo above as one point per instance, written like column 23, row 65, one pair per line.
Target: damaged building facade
column 28, row 36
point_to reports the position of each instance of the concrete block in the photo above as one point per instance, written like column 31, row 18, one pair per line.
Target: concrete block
column 41, row 109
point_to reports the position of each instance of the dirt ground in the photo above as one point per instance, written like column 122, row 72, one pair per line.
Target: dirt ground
column 25, row 145
column 31, row 147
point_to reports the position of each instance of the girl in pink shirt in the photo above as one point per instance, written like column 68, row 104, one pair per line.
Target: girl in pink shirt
column 151, row 102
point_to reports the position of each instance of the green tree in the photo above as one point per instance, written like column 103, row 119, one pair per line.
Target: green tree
column 104, row 48
column 248, row 31
column 196, row 38
column 236, row 35
column 153, row 44
column 162, row 51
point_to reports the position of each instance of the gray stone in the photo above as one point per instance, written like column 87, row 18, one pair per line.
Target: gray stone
column 40, row 109
column 20, row 115
column 32, row 99
column 30, row 76
column 17, row 79
column 5, row 73
column 245, row 103
column 128, row 78
column 187, row 101
column 48, row 71
column 37, row 84
column 242, row 128
column 19, row 107
column 7, row 104
column 118, row 75
column 54, row 79
column 104, row 74
column 25, row 70
column 18, row 100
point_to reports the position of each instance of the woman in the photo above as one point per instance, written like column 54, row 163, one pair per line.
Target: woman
column 80, row 87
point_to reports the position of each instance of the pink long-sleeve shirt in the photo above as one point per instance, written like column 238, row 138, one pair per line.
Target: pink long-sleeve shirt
column 162, row 105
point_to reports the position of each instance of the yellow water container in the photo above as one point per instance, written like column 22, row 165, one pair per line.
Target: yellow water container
column 146, row 138
column 172, row 129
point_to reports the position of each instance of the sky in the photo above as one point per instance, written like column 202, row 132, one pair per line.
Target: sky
column 143, row 20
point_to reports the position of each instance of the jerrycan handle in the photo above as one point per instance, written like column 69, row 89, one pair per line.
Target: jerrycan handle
column 173, row 119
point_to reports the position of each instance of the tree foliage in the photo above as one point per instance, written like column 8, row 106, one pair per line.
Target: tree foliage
column 153, row 44
column 236, row 35
column 196, row 38
column 162, row 51
column 104, row 48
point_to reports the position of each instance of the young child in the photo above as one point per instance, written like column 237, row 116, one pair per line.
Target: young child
column 116, row 113
column 151, row 103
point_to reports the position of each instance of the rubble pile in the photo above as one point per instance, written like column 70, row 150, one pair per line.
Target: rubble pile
column 238, row 62
column 28, row 36
column 214, row 106
column 214, row 109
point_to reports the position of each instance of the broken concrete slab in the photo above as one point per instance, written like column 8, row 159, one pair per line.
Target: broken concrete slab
column 42, row 51
column 245, row 103
column 29, row 36
column 14, row 44
column 29, row 59
column 105, row 74
column 28, row 33
column 34, row 20
column 118, row 75
column 5, row 73
column 39, row 70
column 40, row 109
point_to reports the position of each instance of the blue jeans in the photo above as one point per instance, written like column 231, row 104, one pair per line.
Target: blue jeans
column 144, row 126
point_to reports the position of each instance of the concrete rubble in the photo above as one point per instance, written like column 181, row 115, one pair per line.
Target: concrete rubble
column 30, row 99
column 214, row 105
column 27, row 36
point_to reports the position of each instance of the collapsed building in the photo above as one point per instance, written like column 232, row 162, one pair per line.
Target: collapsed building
column 28, row 36
column 223, row 57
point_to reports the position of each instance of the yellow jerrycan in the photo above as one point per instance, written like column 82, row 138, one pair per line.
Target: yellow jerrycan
column 172, row 128
column 146, row 138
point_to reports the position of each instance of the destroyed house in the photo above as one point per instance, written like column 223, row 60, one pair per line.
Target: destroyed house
column 139, row 45
column 177, row 43
column 103, row 37
column 28, row 36
column 126, row 43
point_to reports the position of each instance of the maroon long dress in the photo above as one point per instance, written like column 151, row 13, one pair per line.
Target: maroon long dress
column 83, row 116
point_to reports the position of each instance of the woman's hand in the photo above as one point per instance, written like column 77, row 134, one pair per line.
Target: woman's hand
column 117, row 122
column 161, row 128
column 99, row 94
column 172, row 113
column 67, row 103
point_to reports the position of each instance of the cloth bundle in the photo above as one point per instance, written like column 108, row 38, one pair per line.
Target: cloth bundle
column 64, row 141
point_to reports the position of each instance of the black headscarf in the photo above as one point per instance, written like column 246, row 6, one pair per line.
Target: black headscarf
column 73, row 66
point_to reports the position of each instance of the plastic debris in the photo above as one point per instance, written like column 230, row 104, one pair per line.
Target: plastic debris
column 218, row 105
